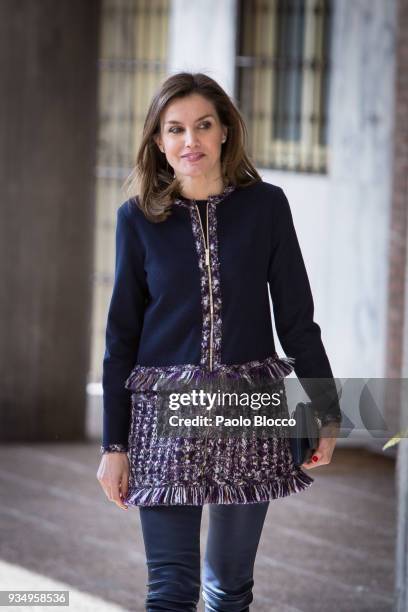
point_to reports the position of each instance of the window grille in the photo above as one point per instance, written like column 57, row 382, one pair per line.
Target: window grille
column 133, row 52
column 282, row 81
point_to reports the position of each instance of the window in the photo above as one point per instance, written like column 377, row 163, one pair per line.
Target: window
column 283, row 80
column 133, row 51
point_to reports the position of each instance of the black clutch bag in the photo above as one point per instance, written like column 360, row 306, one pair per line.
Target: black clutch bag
column 305, row 435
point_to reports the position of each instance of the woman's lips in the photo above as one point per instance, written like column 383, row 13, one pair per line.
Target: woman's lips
column 193, row 157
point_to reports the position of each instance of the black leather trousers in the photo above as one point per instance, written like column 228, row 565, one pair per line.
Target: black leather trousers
column 172, row 543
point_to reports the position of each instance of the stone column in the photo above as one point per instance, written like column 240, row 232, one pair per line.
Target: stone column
column 48, row 71
column 203, row 39
column 398, row 295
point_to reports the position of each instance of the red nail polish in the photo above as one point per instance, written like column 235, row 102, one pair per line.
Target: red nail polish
column 315, row 458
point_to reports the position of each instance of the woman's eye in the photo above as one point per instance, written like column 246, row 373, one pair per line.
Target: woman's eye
column 176, row 130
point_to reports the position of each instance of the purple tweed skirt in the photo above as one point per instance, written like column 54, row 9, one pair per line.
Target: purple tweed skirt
column 199, row 470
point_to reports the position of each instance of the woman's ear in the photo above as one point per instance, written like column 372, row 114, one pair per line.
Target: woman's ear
column 158, row 141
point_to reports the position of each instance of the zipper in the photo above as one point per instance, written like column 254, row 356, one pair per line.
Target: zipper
column 208, row 264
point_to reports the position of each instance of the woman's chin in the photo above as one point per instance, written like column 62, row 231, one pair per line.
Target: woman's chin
column 193, row 173
column 196, row 173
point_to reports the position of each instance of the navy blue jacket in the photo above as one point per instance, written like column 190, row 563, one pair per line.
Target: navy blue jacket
column 157, row 314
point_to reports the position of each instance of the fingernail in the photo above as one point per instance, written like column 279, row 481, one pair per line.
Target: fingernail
column 315, row 458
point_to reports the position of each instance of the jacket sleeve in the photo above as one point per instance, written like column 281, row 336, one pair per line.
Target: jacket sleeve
column 293, row 308
column 123, row 329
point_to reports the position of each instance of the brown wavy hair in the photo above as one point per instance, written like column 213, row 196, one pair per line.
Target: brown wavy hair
column 152, row 179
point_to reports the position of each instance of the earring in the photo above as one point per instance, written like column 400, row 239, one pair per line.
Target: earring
column 224, row 139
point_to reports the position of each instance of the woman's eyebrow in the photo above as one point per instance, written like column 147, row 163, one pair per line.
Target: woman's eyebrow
column 199, row 119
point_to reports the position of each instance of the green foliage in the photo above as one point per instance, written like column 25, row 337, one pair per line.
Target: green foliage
column 395, row 439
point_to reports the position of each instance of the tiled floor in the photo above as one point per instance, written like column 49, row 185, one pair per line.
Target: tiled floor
column 330, row 547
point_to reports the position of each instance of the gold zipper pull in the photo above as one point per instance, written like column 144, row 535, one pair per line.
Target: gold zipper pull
column 207, row 250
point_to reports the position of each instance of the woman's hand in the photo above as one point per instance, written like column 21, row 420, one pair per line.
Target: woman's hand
column 327, row 442
column 113, row 475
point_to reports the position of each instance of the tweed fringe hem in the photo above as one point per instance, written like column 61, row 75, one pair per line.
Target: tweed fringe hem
column 197, row 495
column 152, row 378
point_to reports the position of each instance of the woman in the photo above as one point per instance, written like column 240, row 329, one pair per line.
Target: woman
column 195, row 252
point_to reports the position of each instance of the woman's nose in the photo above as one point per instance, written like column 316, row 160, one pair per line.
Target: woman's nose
column 190, row 138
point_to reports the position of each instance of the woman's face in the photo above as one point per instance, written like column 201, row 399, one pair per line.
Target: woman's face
column 191, row 137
